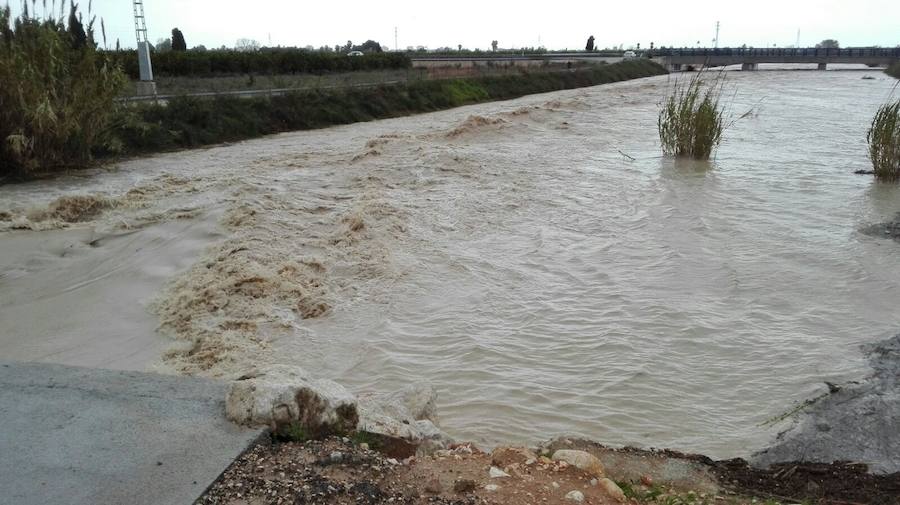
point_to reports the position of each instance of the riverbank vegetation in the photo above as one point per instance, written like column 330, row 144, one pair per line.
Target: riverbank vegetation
column 266, row 61
column 884, row 142
column 893, row 70
column 57, row 93
column 691, row 120
column 192, row 121
column 59, row 106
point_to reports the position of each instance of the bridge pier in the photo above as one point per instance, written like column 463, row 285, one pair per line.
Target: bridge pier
column 747, row 67
column 675, row 67
column 822, row 66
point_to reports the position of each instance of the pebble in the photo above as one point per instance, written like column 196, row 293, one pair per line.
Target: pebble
column 576, row 496
column 580, row 459
column 555, row 485
column 364, row 446
column 594, row 482
column 336, row 456
column 434, row 487
column 464, row 486
column 497, row 473
column 393, row 461
column 613, row 490
column 491, row 487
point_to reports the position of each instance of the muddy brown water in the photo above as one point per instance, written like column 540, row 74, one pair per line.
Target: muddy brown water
column 507, row 252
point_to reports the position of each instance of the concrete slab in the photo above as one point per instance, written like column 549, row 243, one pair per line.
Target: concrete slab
column 72, row 435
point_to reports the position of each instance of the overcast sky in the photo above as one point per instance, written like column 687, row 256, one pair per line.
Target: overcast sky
column 475, row 23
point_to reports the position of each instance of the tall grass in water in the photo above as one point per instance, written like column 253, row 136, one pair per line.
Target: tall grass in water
column 884, row 142
column 691, row 121
column 57, row 93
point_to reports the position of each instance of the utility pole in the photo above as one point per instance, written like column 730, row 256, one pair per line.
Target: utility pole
column 146, row 86
column 797, row 45
column 717, row 36
column 395, row 40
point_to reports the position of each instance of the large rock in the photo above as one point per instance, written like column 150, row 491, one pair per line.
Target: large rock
column 613, row 490
column 282, row 396
column 415, row 402
column 409, row 414
column 580, row 459
column 855, row 422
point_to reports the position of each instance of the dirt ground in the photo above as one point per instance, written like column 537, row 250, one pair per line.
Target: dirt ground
column 834, row 483
column 789, row 482
column 338, row 471
column 341, row 471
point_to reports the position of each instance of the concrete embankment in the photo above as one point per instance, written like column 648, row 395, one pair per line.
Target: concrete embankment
column 76, row 436
column 857, row 422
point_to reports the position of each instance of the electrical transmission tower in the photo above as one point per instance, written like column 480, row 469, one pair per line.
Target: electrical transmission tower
column 143, row 50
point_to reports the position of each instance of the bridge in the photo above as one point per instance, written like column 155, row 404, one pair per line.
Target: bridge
column 675, row 59
column 750, row 58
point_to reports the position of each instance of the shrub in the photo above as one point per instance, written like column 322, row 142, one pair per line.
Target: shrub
column 884, row 142
column 57, row 94
column 690, row 121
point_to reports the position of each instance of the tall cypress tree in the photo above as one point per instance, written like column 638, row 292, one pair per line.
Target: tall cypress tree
column 76, row 29
column 178, row 43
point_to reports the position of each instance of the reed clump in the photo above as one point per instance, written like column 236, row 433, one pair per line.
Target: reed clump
column 57, row 93
column 884, row 142
column 691, row 120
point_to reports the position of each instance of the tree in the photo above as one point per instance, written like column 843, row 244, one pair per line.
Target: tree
column 590, row 44
column 246, row 45
column 494, row 46
column 163, row 45
column 178, row 43
column 76, row 28
column 369, row 46
column 828, row 44
column 199, row 48
column 347, row 47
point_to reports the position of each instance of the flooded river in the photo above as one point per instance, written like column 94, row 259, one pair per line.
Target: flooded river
column 512, row 253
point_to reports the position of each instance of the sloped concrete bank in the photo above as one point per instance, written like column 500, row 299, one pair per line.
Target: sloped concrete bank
column 858, row 422
column 72, row 435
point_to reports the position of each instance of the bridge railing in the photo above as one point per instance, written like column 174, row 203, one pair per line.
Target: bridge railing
column 812, row 52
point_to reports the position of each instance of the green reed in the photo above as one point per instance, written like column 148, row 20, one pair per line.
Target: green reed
column 884, row 142
column 57, row 92
column 691, row 120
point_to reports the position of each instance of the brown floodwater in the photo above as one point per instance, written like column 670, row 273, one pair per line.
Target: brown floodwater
column 510, row 253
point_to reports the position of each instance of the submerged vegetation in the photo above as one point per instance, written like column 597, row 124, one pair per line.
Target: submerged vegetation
column 57, row 96
column 884, row 142
column 691, row 121
column 191, row 121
